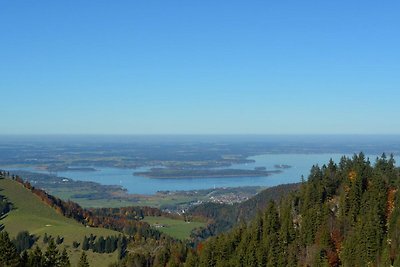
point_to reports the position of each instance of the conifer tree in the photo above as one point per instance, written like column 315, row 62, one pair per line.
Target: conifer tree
column 122, row 243
column 191, row 260
column 24, row 261
column 52, row 255
column 83, row 261
column 59, row 240
column 36, row 258
column 85, row 243
column 8, row 251
column 45, row 238
column 64, row 259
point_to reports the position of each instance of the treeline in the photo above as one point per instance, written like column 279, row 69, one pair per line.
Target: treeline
column 156, row 253
column 47, row 238
column 130, row 213
column 13, row 255
column 5, row 205
column 107, row 244
column 346, row 214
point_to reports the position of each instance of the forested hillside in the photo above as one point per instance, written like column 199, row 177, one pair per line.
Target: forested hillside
column 346, row 214
column 222, row 217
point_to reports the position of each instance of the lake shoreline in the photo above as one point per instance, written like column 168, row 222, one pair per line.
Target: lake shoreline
column 160, row 173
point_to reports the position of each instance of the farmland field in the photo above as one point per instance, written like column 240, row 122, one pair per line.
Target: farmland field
column 173, row 227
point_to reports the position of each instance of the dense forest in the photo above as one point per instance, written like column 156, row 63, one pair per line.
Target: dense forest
column 222, row 217
column 11, row 254
column 346, row 214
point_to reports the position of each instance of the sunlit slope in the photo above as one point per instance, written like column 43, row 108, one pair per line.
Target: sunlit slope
column 30, row 213
column 173, row 227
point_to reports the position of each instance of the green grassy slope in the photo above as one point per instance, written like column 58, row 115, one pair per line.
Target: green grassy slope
column 30, row 213
column 175, row 228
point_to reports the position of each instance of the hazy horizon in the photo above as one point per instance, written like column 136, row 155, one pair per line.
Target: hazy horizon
column 311, row 138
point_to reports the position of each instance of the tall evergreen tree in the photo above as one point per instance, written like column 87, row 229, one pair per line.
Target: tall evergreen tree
column 64, row 259
column 85, row 243
column 122, row 243
column 83, row 261
column 24, row 261
column 36, row 258
column 8, row 251
column 52, row 255
column 23, row 241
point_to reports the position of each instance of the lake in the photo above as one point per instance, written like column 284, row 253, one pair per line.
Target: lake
column 301, row 165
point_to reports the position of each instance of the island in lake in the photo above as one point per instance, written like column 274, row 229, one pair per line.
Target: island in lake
column 164, row 173
column 68, row 169
column 282, row 166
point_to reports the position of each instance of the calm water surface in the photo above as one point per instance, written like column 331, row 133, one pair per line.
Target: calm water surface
column 301, row 165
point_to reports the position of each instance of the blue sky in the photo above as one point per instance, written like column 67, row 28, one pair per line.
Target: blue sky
column 199, row 67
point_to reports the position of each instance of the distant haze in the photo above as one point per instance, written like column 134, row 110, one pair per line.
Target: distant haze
column 356, row 143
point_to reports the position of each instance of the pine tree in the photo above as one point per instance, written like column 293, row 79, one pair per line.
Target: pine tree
column 23, row 241
column 8, row 251
column 207, row 257
column 85, row 243
column 99, row 246
column 36, row 258
column 122, row 243
column 191, row 260
column 24, row 261
column 59, row 240
column 75, row 244
column 51, row 256
column 83, row 261
column 162, row 256
column 109, row 245
column 45, row 238
column 64, row 259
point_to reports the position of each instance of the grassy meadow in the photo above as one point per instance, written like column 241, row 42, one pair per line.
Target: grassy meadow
column 173, row 227
column 31, row 214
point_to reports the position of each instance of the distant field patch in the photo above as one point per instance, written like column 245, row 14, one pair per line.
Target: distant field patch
column 175, row 228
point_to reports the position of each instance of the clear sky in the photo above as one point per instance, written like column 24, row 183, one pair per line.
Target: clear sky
column 199, row 67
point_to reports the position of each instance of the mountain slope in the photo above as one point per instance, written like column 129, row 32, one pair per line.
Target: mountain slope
column 346, row 214
column 30, row 213
column 223, row 217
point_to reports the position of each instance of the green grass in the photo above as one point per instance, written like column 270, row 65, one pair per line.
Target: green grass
column 68, row 193
column 31, row 214
column 103, row 203
column 157, row 201
column 175, row 228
